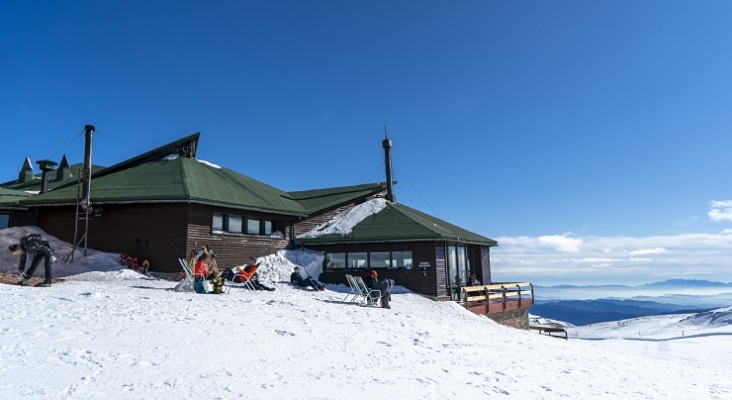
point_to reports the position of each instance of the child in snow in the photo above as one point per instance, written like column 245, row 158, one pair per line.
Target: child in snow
column 41, row 250
column 297, row 279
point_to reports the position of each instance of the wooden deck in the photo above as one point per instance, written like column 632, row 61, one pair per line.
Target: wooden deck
column 498, row 297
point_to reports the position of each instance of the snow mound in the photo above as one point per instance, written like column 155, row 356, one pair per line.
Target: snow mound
column 118, row 275
column 277, row 267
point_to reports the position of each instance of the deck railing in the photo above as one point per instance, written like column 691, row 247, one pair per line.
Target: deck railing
column 498, row 297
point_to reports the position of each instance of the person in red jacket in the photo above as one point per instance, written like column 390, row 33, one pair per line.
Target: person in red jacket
column 201, row 272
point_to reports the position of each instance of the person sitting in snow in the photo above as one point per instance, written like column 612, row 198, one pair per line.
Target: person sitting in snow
column 201, row 272
column 243, row 274
column 372, row 282
column 297, row 279
column 41, row 250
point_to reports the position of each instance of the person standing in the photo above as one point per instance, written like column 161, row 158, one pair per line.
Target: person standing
column 41, row 250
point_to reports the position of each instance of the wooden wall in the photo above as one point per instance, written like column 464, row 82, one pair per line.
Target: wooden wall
column 485, row 257
column 156, row 232
column 22, row 218
column 234, row 249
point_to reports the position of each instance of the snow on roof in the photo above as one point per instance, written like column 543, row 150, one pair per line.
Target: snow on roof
column 343, row 223
column 208, row 163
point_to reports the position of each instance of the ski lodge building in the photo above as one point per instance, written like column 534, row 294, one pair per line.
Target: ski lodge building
column 156, row 206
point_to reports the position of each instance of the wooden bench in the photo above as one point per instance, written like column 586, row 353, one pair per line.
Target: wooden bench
column 498, row 297
column 549, row 330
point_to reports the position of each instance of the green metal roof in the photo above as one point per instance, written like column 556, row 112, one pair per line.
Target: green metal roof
column 178, row 180
column 11, row 198
column 314, row 201
column 53, row 182
column 397, row 222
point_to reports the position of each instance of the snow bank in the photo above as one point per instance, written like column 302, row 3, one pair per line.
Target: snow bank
column 343, row 223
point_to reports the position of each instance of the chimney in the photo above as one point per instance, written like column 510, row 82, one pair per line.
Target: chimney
column 46, row 166
column 86, row 174
column 26, row 171
column 64, row 170
column 386, row 144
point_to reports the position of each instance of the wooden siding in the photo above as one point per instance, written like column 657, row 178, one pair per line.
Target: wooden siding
column 326, row 215
column 234, row 249
column 22, row 218
column 485, row 272
column 156, row 232
column 441, row 270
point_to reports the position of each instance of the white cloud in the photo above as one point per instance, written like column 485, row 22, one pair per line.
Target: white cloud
column 721, row 210
column 613, row 259
column 560, row 243
column 655, row 250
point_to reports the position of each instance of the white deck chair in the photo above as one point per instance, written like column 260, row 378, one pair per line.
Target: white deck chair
column 355, row 293
column 187, row 283
column 372, row 297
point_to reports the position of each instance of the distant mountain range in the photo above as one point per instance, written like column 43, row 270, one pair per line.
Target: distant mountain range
column 585, row 312
column 700, row 283
column 618, row 302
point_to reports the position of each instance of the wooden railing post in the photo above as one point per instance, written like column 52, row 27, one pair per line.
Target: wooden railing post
column 505, row 299
column 519, row 292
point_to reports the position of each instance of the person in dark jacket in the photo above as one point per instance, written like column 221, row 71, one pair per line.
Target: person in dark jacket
column 41, row 250
column 372, row 282
column 297, row 279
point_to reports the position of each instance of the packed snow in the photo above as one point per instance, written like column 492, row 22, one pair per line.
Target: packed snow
column 343, row 223
column 114, row 333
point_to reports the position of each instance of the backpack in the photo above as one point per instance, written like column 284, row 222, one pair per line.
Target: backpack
column 199, row 287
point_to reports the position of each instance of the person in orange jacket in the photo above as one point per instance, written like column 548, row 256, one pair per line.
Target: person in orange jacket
column 243, row 274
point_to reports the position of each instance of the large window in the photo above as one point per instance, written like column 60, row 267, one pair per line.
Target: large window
column 358, row 260
column 372, row 259
column 335, row 261
column 240, row 224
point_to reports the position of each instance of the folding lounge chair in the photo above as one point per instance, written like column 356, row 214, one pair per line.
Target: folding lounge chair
column 187, row 283
column 355, row 293
column 372, row 297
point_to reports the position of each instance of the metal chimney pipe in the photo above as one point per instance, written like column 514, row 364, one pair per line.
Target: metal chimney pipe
column 386, row 144
column 46, row 166
column 86, row 175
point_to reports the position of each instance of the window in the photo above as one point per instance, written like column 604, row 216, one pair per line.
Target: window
column 380, row 259
column 234, row 224
column 358, row 260
column 267, row 228
column 252, row 226
column 372, row 259
column 218, row 223
column 401, row 259
column 4, row 221
column 335, row 261
column 239, row 224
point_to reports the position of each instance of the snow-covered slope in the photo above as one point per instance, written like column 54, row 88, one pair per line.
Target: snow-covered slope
column 121, row 335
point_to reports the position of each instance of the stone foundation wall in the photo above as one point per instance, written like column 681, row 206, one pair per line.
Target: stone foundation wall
column 518, row 319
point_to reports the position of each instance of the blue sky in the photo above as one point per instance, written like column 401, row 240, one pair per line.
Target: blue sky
column 590, row 139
